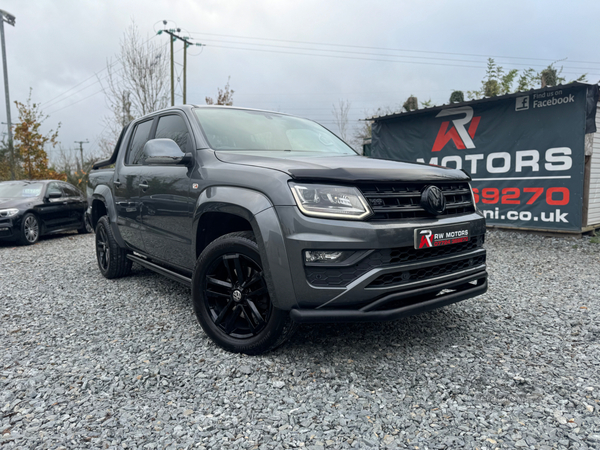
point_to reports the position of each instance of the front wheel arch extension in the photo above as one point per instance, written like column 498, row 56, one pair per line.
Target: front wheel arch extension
column 256, row 210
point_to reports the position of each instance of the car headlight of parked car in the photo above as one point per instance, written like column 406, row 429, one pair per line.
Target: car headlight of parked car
column 8, row 212
column 332, row 202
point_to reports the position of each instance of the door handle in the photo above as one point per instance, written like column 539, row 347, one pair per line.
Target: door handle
column 117, row 183
column 143, row 185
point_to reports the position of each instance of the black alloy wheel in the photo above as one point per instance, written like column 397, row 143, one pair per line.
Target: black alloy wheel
column 30, row 230
column 237, row 296
column 102, row 249
column 86, row 227
column 112, row 259
column 231, row 298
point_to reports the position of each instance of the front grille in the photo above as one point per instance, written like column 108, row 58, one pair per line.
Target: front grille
column 393, row 201
column 400, row 277
column 342, row 276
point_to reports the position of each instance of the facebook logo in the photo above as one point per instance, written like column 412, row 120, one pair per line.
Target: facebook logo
column 522, row 103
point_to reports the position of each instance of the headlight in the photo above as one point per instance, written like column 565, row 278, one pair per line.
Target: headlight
column 473, row 198
column 335, row 202
column 8, row 212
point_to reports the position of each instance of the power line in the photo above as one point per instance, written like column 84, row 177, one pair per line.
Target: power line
column 365, row 59
column 383, row 48
column 370, row 54
column 117, row 74
column 52, row 103
column 344, row 57
column 98, row 81
column 74, row 103
column 90, row 77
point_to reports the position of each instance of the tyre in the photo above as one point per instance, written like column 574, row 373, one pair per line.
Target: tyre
column 112, row 259
column 87, row 226
column 231, row 299
column 30, row 230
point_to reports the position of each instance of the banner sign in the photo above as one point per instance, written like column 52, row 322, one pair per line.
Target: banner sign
column 525, row 153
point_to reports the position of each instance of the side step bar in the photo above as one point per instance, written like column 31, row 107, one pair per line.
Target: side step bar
column 158, row 269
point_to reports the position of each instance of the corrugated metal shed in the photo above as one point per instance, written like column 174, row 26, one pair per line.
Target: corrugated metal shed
column 593, row 217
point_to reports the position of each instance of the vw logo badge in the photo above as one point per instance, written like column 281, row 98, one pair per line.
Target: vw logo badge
column 433, row 200
column 237, row 295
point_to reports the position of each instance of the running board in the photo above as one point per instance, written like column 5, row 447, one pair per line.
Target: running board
column 158, row 269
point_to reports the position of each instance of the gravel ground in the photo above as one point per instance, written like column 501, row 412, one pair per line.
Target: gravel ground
column 91, row 363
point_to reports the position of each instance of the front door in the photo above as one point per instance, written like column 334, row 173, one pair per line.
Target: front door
column 126, row 188
column 165, row 202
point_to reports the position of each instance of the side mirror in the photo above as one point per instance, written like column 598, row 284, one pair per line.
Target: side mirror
column 165, row 152
column 54, row 194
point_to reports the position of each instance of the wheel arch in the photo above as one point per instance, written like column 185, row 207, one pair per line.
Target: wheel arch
column 224, row 209
column 38, row 216
column 41, row 224
column 103, row 199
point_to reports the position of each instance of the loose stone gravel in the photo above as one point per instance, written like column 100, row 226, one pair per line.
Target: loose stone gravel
column 92, row 363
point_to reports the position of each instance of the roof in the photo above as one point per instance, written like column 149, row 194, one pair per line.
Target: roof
column 478, row 101
column 29, row 181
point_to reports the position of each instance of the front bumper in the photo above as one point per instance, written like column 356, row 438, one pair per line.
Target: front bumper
column 391, row 279
column 400, row 304
column 8, row 227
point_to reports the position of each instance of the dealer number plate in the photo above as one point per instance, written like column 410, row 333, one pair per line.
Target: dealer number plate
column 438, row 236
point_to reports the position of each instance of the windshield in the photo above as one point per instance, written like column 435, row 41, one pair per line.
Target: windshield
column 238, row 129
column 20, row 189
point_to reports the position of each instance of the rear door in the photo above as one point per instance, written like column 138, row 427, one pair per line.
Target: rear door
column 54, row 212
column 77, row 205
column 126, row 187
column 165, row 201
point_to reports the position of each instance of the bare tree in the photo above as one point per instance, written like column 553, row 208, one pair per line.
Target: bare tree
column 362, row 133
column 340, row 116
column 75, row 168
column 137, row 83
column 224, row 96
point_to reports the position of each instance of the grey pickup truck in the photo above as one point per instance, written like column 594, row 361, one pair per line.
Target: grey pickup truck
column 273, row 221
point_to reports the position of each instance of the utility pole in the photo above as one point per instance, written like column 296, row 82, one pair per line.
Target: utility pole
column 81, row 150
column 172, row 75
column 9, row 19
column 186, row 44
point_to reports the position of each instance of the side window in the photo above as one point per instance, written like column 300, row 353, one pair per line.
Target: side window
column 70, row 191
column 54, row 188
column 140, row 137
column 174, row 127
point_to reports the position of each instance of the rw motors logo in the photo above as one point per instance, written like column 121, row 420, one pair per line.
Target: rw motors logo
column 426, row 241
column 458, row 132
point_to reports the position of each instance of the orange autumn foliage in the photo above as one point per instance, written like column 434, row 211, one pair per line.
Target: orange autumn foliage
column 30, row 143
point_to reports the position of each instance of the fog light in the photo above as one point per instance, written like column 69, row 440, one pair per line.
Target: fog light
column 325, row 256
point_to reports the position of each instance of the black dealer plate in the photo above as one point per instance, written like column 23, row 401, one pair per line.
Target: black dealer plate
column 438, row 236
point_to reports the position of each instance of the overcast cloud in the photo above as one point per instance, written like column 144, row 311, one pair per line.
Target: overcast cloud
column 56, row 45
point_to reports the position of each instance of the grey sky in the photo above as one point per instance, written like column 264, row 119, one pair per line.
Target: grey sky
column 57, row 44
